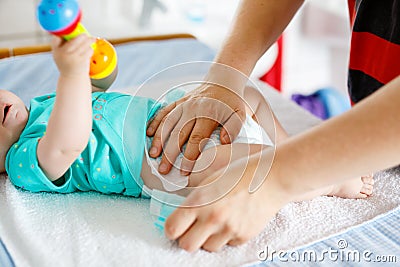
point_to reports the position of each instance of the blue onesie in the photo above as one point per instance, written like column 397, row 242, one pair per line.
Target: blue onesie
column 107, row 164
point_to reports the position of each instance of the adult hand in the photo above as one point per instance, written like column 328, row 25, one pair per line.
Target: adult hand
column 192, row 119
column 232, row 219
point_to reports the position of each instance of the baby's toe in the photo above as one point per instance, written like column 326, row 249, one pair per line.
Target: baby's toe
column 361, row 195
column 369, row 179
column 367, row 189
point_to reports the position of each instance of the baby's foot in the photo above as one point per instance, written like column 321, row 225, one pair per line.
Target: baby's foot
column 355, row 188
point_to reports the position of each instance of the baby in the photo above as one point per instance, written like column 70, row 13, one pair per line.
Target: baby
column 74, row 140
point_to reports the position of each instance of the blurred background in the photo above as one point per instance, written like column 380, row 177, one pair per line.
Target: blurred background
column 312, row 55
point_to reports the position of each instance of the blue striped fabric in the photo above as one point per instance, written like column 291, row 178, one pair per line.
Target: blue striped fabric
column 5, row 258
column 374, row 243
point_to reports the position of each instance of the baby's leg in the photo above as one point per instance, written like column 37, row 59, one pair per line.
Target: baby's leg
column 149, row 179
column 263, row 115
column 209, row 162
column 355, row 188
column 215, row 159
column 351, row 189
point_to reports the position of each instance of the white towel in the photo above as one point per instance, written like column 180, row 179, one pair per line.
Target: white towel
column 90, row 229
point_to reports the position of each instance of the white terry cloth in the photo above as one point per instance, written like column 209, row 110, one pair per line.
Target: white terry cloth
column 250, row 133
column 90, row 229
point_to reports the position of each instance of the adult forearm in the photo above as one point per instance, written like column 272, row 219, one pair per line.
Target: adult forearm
column 361, row 141
column 257, row 25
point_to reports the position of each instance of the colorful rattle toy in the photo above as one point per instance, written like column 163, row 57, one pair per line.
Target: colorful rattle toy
column 62, row 18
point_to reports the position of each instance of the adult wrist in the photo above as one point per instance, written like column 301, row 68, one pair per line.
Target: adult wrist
column 227, row 77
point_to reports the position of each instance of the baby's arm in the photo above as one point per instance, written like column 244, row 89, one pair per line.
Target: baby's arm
column 70, row 122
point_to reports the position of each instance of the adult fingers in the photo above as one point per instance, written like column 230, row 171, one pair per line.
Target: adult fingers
column 232, row 126
column 202, row 129
column 164, row 128
column 217, row 241
column 179, row 222
column 238, row 241
column 178, row 137
column 196, row 235
column 156, row 121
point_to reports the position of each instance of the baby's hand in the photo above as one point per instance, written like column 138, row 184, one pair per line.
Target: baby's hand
column 73, row 57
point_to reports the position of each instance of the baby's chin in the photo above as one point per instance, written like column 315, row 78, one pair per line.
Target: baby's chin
column 22, row 116
column 19, row 123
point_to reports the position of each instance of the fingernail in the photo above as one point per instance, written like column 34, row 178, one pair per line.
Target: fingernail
column 163, row 167
column 150, row 129
column 153, row 150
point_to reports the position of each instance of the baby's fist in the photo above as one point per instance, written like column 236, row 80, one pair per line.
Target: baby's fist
column 73, row 57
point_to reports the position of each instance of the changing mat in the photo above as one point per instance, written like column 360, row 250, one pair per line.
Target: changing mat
column 91, row 229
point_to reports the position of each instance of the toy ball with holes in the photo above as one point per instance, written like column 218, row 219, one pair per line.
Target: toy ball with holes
column 62, row 18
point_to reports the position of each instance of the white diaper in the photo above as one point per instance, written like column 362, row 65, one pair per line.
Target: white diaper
column 251, row 133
